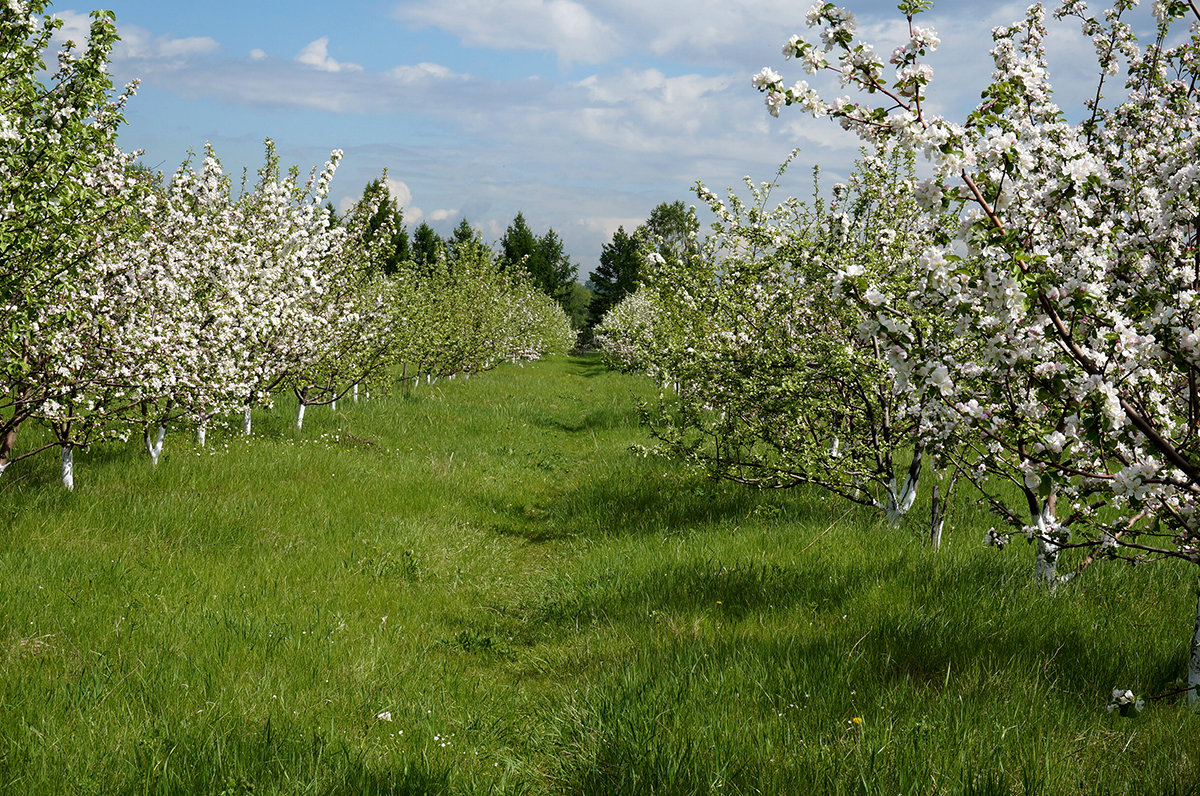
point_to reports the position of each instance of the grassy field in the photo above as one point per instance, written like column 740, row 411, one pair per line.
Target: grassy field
column 481, row 589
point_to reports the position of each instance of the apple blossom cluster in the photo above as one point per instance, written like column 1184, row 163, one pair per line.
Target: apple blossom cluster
column 1072, row 281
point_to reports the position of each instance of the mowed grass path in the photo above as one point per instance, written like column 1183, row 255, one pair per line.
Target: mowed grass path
column 481, row 588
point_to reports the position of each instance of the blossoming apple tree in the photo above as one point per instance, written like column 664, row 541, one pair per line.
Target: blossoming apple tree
column 1077, row 271
column 774, row 386
column 63, row 192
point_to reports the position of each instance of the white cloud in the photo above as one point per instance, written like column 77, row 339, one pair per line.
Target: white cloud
column 316, row 54
column 399, row 191
column 258, row 55
column 136, row 43
column 423, row 71
column 606, row 226
column 565, row 27
column 442, row 215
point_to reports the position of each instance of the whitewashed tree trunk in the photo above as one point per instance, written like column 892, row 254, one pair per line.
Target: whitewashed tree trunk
column 246, row 421
column 4, row 466
column 154, row 447
column 900, row 501
column 354, row 393
column 300, row 415
column 202, row 433
column 1194, row 664
column 937, row 517
column 68, row 467
column 1049, row 544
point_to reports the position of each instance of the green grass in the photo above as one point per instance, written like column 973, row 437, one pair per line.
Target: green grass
column 541, row 610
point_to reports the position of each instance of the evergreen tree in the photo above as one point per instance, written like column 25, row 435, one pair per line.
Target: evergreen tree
column 462, row 239
column 518, row 246
column 425, row 246
column 399, row 250
column 556, row 271
column 542, row 258
column 618, row 274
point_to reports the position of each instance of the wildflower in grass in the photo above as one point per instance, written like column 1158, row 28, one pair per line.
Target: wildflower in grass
column 384, row 716
column 857, row 720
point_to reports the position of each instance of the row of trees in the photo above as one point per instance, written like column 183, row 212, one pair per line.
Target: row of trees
column 1026, row 319
column 540, row 258
column 128, row 305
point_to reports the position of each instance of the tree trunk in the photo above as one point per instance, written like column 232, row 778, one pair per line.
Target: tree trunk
column 246, row 421
column 7, row 443
column 354, row 393
column 68, row 466
column 1046, row 565
column 936, row 518
column 1194, row 664
column 202, row 433
column 300, row 415
column 900, row 502
column 154, row 448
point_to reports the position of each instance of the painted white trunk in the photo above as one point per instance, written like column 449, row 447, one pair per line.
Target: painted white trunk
column 4, row 466
column 333, row 405
column 937, row 517
column 1046, row 568
column 899, row 502
column 246, row 422
column 1194, row 664
column 154, row 447
column 300, row 416
column 68, row 467
column 354, row 393
column 201, row 434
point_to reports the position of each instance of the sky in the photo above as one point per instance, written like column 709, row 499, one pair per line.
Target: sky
column 581, row 114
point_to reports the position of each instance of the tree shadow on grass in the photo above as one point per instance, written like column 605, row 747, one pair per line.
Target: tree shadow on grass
column 588, row 366
column 642, row 500
column 261, row 758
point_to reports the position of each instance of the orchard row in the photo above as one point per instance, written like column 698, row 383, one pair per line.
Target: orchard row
column 127, row 306
column 1026, row 320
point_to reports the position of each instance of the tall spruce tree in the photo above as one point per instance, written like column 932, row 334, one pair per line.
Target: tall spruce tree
column 425, row 245
column 399, row 249
column 617, row 276
column 542, row 258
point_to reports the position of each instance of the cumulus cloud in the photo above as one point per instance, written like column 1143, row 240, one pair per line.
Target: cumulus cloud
column 258, row 55
column 316, row 55
column 399, row 191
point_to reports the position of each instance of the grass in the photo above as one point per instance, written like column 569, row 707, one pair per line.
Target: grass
column 540, row 610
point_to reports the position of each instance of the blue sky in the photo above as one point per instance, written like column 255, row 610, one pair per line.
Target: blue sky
column 583, row 114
